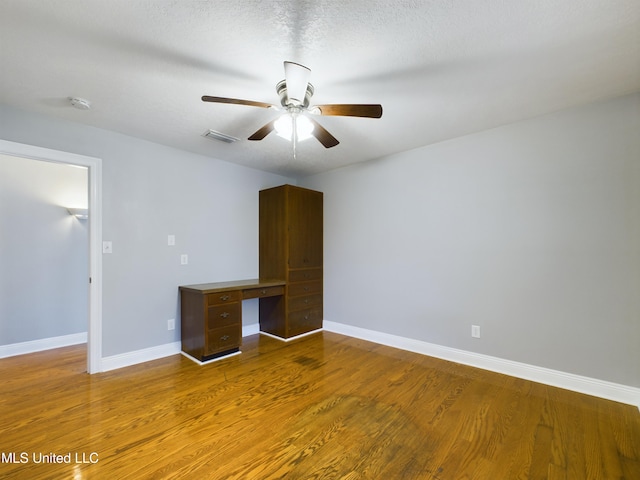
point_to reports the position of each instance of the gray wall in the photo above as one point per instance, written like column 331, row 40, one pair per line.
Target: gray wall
column 149, row 192
column 44, row 254
column 531, row 231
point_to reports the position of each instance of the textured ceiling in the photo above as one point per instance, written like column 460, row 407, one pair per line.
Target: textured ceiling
column 440, row 68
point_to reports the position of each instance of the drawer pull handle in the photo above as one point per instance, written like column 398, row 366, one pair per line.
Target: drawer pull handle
column 224, row 338
column 224, row 298
column 306, row 317
column 263, row 292
column 306, row 300
column 224, row 314
column 306, row 289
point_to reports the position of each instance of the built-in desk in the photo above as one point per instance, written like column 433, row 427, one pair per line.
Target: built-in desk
column 211, row 315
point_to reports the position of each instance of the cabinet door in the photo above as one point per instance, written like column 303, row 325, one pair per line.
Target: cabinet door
column 273, row 234
column 305, row 228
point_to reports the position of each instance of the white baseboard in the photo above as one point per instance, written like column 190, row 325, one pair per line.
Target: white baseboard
column 255, row 329
column 139, row 356
column 590, row 386
column 207, row 362
column 145, row 355
column 290, row 339
column 14, row 349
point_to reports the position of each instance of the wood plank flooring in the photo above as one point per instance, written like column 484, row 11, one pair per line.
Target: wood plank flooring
column 322, row 407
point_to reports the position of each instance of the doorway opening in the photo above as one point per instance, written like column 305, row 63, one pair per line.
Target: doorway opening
column 94, row 167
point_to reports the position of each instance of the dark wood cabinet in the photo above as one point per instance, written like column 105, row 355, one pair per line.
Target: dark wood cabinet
column 291, row 248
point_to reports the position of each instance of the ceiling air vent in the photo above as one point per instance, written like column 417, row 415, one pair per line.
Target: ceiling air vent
column 219, row 136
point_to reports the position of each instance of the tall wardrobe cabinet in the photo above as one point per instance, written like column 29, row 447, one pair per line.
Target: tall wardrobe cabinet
column 290, row 228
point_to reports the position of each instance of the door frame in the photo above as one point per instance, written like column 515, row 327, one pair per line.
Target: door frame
column 94, row 166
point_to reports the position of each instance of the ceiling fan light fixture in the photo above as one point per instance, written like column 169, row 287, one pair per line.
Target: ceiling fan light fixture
column 304, row 127
column 284, row 126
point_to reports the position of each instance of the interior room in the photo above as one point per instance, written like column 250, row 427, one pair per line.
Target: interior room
column 479, row 278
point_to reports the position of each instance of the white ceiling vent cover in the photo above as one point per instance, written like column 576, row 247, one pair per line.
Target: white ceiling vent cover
column 219, row 136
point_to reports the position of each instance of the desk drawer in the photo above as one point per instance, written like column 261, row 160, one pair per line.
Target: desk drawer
column 305, row 288
column 222, row 315
column 263, row 292
column 221, row 339
column 221, row 298
column 304, row 301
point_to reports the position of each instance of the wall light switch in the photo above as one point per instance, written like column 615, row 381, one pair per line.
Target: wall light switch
column 107, row 247
column 184, row 259
column 171, row 324
column 171, row 240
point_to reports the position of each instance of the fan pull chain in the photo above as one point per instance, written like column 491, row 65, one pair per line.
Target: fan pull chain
column 294, row 136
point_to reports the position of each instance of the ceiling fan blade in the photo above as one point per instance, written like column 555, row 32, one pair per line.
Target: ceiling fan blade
column 323, row 136
column 236, row 101
column 346, row 110
column 263, row 131
column 296, row 77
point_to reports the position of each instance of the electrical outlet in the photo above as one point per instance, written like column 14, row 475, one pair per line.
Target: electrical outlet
column 184, row 259
column 171, row 324
column 475, row 331
column 171, row 240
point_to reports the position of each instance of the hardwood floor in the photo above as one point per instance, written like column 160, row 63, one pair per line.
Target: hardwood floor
column 322, row 407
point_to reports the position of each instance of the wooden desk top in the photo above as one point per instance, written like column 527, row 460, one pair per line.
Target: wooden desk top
column 205, row 288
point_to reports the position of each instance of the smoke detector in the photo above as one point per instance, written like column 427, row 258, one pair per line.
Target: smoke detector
column 80, row 103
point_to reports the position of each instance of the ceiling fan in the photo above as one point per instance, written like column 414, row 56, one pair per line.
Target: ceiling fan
column 295, row 91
